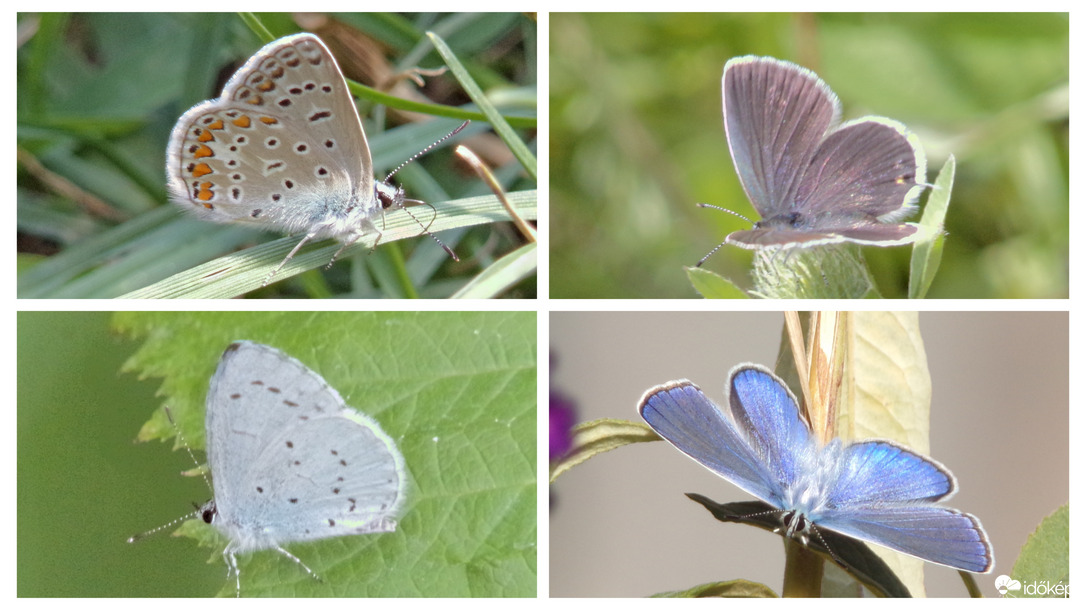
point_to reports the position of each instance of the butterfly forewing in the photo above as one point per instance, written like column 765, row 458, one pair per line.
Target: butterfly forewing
column 681, row 413
column 774, row 120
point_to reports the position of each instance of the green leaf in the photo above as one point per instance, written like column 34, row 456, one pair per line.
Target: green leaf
column 598, row 436
column 928, row 250
column 455, row 390
column 237, row 273
column 854, row 557
column 1045, row 558
column 497, row 121
column 728, row 588
column 712, row 285
column 505, row 273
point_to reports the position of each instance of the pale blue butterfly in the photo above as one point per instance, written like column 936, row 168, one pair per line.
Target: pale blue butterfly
column 290, row 460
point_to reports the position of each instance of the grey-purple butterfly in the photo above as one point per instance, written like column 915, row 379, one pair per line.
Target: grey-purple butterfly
column 814, row 180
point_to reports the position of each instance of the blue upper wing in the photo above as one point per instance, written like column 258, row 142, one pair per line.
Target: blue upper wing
column 766, row 413
column 884, row 494
column 681, row 413
column 874, row 472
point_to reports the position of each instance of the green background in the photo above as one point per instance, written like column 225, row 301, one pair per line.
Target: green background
column 455, row 390
column 637, row 140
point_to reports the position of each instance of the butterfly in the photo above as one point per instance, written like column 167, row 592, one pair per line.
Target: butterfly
column 815, row 182
column 876, row 491
column 282, row 149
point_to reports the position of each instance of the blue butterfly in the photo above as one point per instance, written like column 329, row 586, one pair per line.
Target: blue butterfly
column 875, row 490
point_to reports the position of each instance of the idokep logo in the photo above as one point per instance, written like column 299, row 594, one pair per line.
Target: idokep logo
column 1044, row 588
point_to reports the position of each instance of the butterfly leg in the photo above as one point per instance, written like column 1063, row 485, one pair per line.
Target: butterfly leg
column 304, row 241
column 232, row 566
column 365, row 227
column 348, row 244
column 288, row 554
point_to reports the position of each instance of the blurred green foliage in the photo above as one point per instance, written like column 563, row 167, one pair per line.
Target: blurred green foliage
column 637, row 140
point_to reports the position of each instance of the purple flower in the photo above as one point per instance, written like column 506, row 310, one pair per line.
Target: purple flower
column 563, row 416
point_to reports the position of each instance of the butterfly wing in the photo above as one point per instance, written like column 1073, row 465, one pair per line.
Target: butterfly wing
column 884, row 495
column 882, row 471
column 865, row 175
column 932, row 533
column 766, row 412
column 812, row 187
column 283, row 146
column 245, row 406
column 775, row 116
column 334, row 475
column 819, row 232
column 872, row 166
column 681, row 413
column 266, row 413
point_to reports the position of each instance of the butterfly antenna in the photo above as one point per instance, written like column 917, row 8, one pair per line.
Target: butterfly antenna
column 711, row 252
column 829, row 549
column 721, row 244
column 182, row 518
column 717, row 207
column 789, row 529
column 426, row 228
column 426, row 150
column 185, row 444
